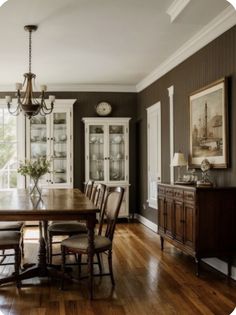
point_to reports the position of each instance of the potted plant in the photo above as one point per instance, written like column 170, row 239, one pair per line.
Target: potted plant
column 35, row 169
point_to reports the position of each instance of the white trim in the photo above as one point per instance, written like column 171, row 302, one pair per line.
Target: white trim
column 215, row 28
column 221, row 266
column 153, row 178
column 152, row 226
column 80, row 88
column 172, row 145
column 176, row 8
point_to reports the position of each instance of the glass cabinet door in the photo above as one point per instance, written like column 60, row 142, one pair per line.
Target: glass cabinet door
column 96, row 152
column 60, row 148
column 38, row 140
column 116, row 153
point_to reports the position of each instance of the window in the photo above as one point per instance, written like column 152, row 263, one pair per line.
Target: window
column 11, row 149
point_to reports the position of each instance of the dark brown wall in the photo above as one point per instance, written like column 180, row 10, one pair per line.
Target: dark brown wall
column 214, row 61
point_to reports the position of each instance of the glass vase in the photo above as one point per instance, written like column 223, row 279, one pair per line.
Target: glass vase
column 35, row 189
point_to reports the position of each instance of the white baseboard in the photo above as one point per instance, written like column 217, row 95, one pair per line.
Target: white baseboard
column 216, row 263
column 221, row 266
column 152, row 226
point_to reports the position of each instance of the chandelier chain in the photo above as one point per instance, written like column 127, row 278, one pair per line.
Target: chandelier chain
column 30, row 50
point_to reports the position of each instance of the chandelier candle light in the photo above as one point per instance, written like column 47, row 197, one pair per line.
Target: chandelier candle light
column 26, row 101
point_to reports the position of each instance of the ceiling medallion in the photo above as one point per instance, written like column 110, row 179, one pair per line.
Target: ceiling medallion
column 27, row 103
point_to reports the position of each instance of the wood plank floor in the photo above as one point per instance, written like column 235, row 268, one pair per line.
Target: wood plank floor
column 148, row 282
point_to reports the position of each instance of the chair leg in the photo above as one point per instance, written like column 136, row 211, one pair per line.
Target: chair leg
column 63, row 256
column 17, row 266
column 110, row 266
column 50, row 248
column 99, row 262
column 22, row 246
column 79, row 259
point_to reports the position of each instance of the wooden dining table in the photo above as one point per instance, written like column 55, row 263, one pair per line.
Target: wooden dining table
column 56, row 205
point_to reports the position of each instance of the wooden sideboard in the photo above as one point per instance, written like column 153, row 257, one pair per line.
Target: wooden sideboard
column 199, row 221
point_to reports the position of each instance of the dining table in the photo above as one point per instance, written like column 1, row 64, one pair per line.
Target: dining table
column 53, row 205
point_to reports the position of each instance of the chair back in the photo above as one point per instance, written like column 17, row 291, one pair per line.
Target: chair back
column 110, row 211
column 89, row 188
column 99, row 195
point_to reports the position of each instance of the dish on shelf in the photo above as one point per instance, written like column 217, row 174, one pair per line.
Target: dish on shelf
column 115, row 176
column 115, row 129
column 59, row 154
column 117, row 139
column 93, row 140
column 59, row 121
column 63, row 137
column 60, row 170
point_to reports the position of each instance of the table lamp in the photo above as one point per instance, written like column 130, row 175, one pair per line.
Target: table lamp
column 179, row 160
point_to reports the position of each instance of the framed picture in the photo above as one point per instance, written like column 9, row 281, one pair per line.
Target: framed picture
column 209, row 125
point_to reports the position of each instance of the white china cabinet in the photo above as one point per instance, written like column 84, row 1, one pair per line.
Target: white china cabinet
column 107, row 154
column 51, row 137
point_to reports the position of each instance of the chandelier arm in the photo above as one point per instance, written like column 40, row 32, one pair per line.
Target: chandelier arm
column 15, row 112
column 44, row 110
column 44, row 105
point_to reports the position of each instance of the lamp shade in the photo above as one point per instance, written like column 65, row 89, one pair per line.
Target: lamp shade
column 178, row 159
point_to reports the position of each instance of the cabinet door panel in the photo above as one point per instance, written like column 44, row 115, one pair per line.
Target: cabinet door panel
column 117, row 153
column 161, row 214
column 189, row 225
column 169, row 217
column 178, row 222
column 96, row 154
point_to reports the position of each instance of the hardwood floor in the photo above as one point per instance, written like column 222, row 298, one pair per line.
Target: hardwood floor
column 148, row 282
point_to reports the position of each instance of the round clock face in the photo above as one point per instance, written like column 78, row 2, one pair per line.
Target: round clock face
column 103, row 109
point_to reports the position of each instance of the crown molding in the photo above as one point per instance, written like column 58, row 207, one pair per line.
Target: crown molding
column 215, row 28
column 92, row 88
column 80, row 88
column 176, row 8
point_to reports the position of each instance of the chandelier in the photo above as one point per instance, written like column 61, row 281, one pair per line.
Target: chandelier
column 26, row 101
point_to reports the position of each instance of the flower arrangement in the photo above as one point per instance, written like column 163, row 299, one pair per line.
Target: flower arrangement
column 35, row 169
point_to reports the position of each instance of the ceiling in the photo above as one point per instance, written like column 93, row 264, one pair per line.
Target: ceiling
column 95, row 42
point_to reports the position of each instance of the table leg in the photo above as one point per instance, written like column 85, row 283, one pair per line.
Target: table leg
column 91, row 225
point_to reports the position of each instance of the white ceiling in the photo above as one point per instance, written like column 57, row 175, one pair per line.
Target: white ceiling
column 95, row 42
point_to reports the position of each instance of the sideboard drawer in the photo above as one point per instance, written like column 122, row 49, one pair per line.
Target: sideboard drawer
column 161, row 190
column 189, row 196
column 178, row 194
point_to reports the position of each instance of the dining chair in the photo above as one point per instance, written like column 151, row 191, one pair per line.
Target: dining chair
column 13, row 226
column 11, row 240
column 89, row 188
column 78, row 244
column 69, row 228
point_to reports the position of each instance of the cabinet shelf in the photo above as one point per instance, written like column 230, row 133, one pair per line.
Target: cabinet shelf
column 38, row 142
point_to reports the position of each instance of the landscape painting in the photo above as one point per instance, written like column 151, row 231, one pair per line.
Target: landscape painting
column 208, row 125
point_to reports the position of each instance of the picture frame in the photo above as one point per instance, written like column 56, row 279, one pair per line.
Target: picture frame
column 209, row 125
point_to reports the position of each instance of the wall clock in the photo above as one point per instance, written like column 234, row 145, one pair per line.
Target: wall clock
column 103, row 108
